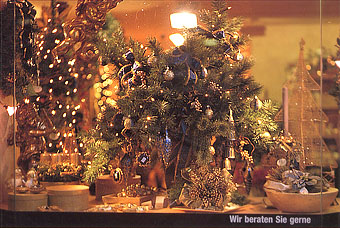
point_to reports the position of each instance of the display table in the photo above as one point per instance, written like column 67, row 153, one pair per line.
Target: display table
column 174, row 217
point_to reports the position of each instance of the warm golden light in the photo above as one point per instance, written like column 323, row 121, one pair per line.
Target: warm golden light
column 177, row 39
column 183, row 20
column 337, row 63
column 11, row 110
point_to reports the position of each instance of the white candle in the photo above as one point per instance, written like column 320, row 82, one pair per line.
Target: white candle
column 75, row 158
column 285, row 110
column 45, row 158
column 56, row 159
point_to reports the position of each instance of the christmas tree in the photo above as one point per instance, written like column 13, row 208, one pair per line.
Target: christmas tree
column 195, row 104
column 58, row 84
column 305, row 117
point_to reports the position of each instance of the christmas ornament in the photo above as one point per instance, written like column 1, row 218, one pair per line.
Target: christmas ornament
column 231, row 151
column 256, row 104
column 196, row 105
column 143, row 159
column 136, row 190
column 152, row 60
column 212, row 150
column 209, row 112
column 208, row 188
column 227, row 164
column 90, row 17
column 239, row 56
column 281, row 162
column 194, row 67
column 232, row 132
column 168, row 74
column 165, row 150
column 117, row 175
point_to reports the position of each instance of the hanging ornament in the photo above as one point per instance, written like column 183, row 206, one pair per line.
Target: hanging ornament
column 281, row 162
column 165, row 151
column 212, row 150
column 209, row 112
column 256, row 104
column 152, row 60
column 194, row 67
column 117, row 175
column 196, row 105
column 127, row 127
column 231, row 151
column 232, row 132
column 143, row 159
column 239, row 56
column 227, row 164
column 248, row 181
column 126, row 164
column 168, row 74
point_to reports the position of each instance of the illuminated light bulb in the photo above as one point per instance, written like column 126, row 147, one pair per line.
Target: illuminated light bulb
column 54, row 30
column 183, row 20
column 76, row 150
column 161, row 91
column 41, row 48
column 74, row 121
column 51, row 65
column 48, row 51
column 73, row 113
column 53, row 112
column 38, row 53
column 266, row 135
column 66, row 82
column 75, row 90
column 70, row 124
column 76, row 75
column 83, row 100
column 58, row 134
column 38, row 99
column 57, row 41
column 140, row 106
column 65, row 135
column 71, row 62
column 77, row 107
column 50, row 145
column 177, row 39
column 50, row 90
column 81, row 144
column 89, row 76
column 259, row 121
column 11, row 110
column 27, row 101
column 152, row 99
column 49, row 20
column 45, row 29
column 45, row 56
column 60, row 78
column 60, row 106
column 67, row 106
column 150, row 139
column 69, row 69
column 58, row 60
column 337, row 63
column 64, row 114
column 146, row 126
column 148, row 117
column 51, row 81
column 67, row 93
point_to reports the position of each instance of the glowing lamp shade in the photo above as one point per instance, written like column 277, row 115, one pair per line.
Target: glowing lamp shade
column 337, row 63
column 177, row 39
column 183, row 20
column 11, row 110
